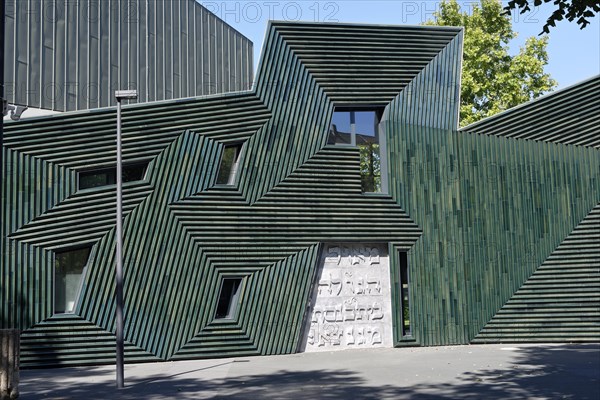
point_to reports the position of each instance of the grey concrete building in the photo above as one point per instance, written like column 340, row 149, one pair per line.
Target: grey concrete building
column 66, row 55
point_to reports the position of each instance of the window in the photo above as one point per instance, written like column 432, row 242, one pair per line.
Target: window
column 361, row 128
column 108, row 176
column 404, row 295
column 69, row 269
column 229, row 164
column 228, row 298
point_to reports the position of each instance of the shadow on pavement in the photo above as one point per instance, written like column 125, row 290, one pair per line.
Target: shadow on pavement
column 541, row 372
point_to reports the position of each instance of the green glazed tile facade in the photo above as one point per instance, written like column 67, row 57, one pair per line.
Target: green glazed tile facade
column 480, row 213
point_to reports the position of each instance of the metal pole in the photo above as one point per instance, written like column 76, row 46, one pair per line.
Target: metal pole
column 120, row 95
column 119, row 272
column 2, row 15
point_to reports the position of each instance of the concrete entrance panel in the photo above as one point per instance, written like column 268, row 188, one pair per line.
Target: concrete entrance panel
column 351, row 303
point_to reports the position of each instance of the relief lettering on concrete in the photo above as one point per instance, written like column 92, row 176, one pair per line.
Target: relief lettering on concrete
column 352, row 301
column 353, row 255
column 332, row 286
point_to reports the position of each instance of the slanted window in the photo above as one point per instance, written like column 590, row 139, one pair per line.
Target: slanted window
column 229, row 165
column 108, row 176
column 361, row 128
column 69, row 268
column 228, row 298
column 404, row 295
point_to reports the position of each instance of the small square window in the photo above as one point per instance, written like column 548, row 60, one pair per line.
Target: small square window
column 228, row 298
column 69, row 267
column 229, row 165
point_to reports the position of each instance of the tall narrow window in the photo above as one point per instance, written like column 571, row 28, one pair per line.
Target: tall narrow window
column 229, row 165
column 361, row 128
column 69, row 267
column 228, row 298
column 108, row 176
column 404, row 295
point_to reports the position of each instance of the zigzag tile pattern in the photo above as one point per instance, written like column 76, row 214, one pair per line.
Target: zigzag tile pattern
column 87, row 138
column 26, row 292
column 560, row 302
column 271, row 322
column 311, row 215
column 47, row 185
column 54, row 228
column 357, row 64
column 184, row 233
column 431, row 98
column 71, row 340
column 300, row 114
column 44, row 210
column 557, row 117
column 492, row 209
column 163, row 260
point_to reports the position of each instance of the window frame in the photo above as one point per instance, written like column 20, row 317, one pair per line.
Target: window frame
column 81, row 279
column 108, row 170
column 381, row 116
column 233, row 176
column 404, row 277
column 234, row 299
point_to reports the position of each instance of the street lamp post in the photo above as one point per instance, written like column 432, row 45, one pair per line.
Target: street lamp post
column 120, row 95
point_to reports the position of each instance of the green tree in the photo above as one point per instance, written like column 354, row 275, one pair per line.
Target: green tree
column 569, row 9
column 492, row 79
column 370, row 167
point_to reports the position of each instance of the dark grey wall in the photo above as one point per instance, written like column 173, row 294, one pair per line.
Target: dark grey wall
column 73, row 54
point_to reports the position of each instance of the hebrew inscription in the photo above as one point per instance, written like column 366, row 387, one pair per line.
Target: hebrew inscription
column 351, row 300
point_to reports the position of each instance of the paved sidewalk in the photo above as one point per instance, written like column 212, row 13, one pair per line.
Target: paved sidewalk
column 456, row 372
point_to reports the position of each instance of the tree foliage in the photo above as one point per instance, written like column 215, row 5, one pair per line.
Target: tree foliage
column 569, row 9
column 370, row 167
column 492, row 79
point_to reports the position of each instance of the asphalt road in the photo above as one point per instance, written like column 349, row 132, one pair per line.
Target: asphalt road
column 455, row 372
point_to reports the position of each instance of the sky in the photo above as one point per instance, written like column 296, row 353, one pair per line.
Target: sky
column 574, row 54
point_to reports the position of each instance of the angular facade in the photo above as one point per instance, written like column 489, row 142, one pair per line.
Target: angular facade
column 335, row 204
